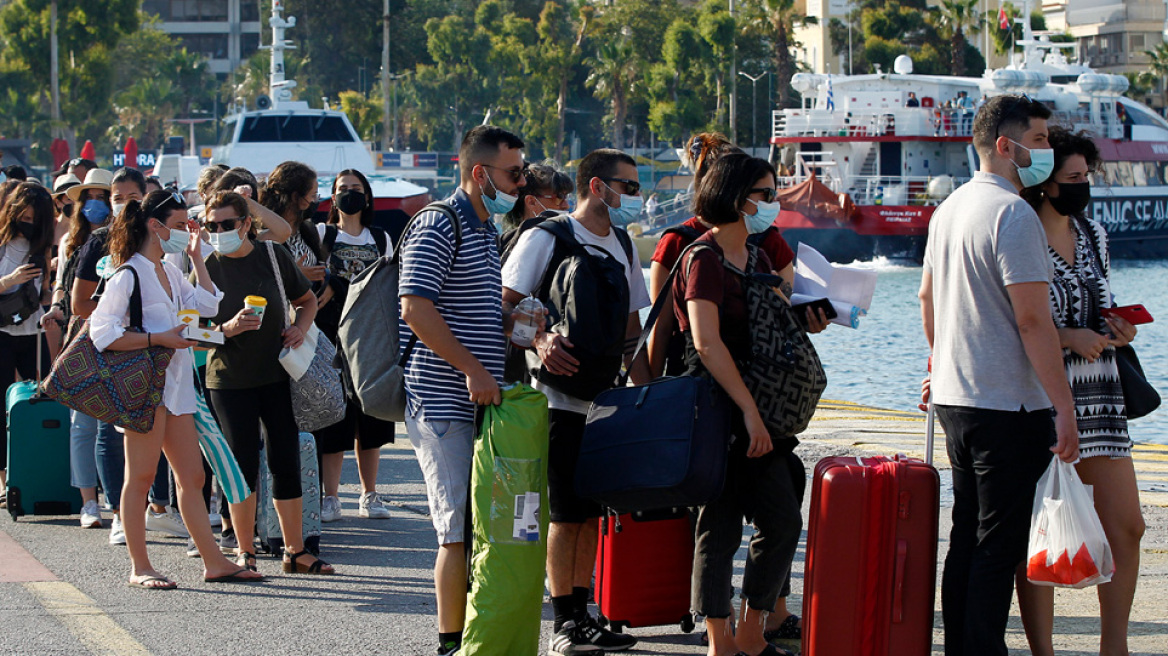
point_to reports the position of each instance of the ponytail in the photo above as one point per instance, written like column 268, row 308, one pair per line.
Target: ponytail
column 128, row 232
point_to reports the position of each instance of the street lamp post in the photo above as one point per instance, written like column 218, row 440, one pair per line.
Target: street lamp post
column 754, row 105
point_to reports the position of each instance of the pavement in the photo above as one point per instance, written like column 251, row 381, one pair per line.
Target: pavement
column 63, row 589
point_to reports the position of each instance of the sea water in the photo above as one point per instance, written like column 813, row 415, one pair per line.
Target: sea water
column 883, row 362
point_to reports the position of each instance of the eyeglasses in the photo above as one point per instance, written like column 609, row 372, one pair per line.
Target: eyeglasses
column 223, row 225
column 768, row 194
column 515, row 174
column 631, row 186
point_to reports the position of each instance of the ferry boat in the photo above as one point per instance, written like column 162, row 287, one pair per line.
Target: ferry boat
column 281, row 129
column 862, row 169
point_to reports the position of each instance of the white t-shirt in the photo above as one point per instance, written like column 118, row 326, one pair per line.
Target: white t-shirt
column 363, row 239
column 525, row 267
column 14, row 255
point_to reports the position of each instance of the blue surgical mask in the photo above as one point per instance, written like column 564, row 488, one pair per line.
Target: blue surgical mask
column 763, row 217
column 226, row 243
column 95, row 211
column 501, row 203
column 177, row 243
column 1041, row 166
column 628, row 211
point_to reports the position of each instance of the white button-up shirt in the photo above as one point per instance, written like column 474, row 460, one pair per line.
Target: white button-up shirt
column 159, row 314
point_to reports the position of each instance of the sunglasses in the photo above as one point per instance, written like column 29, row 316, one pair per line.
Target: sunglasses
column 768, row 194
column 631, row 186
column 173, row 198
column 224, row 225
column 515, row 174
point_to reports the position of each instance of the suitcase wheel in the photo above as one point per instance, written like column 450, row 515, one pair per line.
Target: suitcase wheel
column 14, row 506
column 687, row 624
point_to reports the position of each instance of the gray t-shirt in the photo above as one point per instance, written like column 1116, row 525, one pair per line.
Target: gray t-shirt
column 983, row 238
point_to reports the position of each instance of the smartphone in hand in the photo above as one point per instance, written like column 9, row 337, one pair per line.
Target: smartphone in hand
column 1135, row 314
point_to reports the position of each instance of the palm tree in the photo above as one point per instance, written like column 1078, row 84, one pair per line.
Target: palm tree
column 955, row 18
column 780, row 18
column 613, row 74
column 1158, row 65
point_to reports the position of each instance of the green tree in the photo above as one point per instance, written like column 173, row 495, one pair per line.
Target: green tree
column 453, row 89
column 1004, row 39
column 560, row 51
column 143, row 110
column 1157, row 67
column 365, row 113
column 718, row 29
column 956, row 19
column 615, row 75
column 777, row 20
column 675, row 83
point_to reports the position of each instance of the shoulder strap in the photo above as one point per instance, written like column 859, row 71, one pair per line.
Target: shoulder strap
column 456, row 225
column 280, row 283
column 626, row 243
column 380, row 239
column 561, row 228
column 686, row 232
column 330, row 237
column 135, row 297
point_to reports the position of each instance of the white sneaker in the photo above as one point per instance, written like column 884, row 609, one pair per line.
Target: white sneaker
column 166, row 522
column 90, row 515
column 372, row 507
column 117, row 533
column 330, row 509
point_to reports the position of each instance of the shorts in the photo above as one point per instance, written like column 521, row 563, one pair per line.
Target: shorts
column 445, row 450
column 565, row 433
column 372, row 433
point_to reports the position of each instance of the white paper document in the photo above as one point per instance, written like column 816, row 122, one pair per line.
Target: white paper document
column 849, row 289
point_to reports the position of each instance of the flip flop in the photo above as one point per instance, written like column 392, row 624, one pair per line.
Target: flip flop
column 143, row 582
column 234, row 577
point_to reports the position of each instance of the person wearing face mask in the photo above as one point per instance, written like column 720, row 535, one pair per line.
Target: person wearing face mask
column 26, row 232
column 545, row 195
column 245, row 382
column 1080, row 288
column 351, row 243
column 711, row 309
column 291, row 193
column 998, row 382
column 140, row 235
column 609, row 196
column 451, row 300
column 127, row 184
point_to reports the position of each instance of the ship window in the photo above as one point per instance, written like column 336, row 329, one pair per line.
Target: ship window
column 1123, row 174
column 331, row 128
column 296, row 128
column 1139, row 175
column 1152, row 173
column 260, row 128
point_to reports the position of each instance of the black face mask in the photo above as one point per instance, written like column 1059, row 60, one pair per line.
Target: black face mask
column 351, row 201
column 310, row 211
column 26, row 230
column 1073, row 198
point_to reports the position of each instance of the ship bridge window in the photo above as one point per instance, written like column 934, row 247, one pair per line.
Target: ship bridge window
column 260, row 129
column 330, row 128
column 294, row 128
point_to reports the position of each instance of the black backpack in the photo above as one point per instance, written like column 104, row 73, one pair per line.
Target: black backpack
column 587, row 297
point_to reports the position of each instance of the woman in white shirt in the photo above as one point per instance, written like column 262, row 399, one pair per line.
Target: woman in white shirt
column 139, row 238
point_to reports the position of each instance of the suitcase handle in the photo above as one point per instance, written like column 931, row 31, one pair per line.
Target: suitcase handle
column 898, row 581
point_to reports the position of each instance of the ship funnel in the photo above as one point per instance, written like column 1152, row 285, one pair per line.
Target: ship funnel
column 903, row 65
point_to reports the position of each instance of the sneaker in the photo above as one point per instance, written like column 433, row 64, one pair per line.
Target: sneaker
column 192, row 549
column 605, row 639
column 227, row 541
column 166, row 522
column 117, row 533
column 372, row 507
column 571, row 640
column 330, row 509
column 90, row 515
column 448, row 651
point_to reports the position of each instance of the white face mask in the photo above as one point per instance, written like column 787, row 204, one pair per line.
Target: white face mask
column 118, row 207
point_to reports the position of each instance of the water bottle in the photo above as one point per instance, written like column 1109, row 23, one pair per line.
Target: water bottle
column 879, row 195
column 526, row 316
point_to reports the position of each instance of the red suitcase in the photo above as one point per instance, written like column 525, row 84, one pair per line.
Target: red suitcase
column 870, row 580
column 643, row 570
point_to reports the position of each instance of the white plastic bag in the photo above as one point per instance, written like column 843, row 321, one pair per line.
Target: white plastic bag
column 1068, row 548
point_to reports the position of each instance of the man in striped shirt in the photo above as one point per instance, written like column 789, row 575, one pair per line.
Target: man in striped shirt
column 451, row 298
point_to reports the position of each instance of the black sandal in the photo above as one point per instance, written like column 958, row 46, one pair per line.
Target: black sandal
column 788, row 630
column 247, row 561
column 293, row 566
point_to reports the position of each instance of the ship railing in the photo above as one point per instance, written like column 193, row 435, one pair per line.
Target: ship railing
column 883, row 189
column 904, row 121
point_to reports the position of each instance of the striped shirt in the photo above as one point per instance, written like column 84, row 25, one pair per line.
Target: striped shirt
column 468, row 295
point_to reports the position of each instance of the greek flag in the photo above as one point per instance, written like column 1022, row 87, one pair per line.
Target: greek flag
column 830, row 96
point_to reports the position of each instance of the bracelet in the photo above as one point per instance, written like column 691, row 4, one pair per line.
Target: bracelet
column 148, row 343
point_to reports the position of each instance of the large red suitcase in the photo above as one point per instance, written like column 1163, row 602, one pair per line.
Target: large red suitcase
column 870, row 580
column 643, row 570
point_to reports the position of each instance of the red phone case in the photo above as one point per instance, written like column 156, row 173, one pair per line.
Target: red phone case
column 1135, row 314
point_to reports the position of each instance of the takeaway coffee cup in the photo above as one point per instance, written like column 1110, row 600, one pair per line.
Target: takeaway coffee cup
column 257, row 304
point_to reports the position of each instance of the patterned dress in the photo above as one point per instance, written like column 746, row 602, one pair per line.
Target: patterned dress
column 1077, row 292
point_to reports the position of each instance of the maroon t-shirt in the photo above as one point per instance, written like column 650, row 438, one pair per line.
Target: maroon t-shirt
column 670, row 246
column 705, row 278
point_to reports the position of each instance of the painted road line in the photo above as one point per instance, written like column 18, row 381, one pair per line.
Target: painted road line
column 85, row 619
column 17, row 565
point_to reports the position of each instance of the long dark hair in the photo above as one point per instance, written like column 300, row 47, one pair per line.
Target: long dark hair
column 21, row 197
column 79, row 226
column 334, row 215
column 1065, row 143
column 232, row 178
column 727, row 185
column 289, row 182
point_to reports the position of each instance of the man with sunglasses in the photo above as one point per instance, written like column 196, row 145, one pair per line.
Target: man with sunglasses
column 451, row 300
column 608, row 195
column 997, row 368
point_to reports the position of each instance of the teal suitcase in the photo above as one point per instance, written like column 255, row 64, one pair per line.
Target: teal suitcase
column 38, row 454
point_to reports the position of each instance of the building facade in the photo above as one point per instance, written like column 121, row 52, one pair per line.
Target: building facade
column 226, row 31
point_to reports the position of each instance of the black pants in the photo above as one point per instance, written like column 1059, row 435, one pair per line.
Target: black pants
column 760, row 488
column 17, row 356
column 997, row 459
column 240, row 413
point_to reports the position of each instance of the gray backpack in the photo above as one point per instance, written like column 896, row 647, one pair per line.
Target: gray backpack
column 369, row 350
